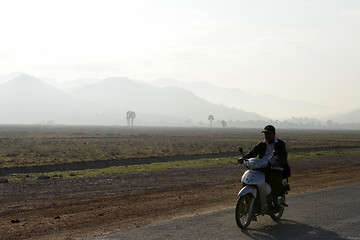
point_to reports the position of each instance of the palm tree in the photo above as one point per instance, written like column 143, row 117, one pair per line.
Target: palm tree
column 211, row 119
column 223, row 123
column 130, row 115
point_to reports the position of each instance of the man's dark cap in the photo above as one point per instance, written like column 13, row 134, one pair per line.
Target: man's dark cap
column 269, row 128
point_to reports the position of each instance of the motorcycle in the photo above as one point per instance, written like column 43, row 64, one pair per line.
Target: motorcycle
column 255, row 196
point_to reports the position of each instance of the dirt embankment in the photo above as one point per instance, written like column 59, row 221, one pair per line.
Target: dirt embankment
column 72, row 208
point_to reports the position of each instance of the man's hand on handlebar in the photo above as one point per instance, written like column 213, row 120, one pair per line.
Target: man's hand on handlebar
column 241, row 160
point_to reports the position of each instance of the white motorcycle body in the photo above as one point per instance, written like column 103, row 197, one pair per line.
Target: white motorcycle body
column 255, row 196
column 254, row 181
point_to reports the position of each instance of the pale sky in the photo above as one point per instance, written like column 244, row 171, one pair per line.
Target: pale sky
column 296, row 49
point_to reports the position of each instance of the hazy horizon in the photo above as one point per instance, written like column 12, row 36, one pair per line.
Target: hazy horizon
column 28, row 95
column 298, row 50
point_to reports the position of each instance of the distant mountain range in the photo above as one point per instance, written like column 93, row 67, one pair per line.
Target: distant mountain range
column 160, row 105
column 25, row 99
column 269, row 106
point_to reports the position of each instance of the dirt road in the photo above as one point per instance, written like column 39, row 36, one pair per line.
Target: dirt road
column 315, row 215
column 75, row 208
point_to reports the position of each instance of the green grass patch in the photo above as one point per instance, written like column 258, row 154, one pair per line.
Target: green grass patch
column 303, row 156
column 123, row 169
column 293, row 157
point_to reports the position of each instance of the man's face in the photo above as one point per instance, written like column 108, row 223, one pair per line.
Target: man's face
column 270, row 137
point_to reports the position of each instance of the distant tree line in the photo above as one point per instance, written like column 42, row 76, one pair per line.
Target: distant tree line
column 296, row 123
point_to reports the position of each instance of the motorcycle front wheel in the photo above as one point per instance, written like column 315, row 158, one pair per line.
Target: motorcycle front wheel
column 243, row 211
column 281, row 202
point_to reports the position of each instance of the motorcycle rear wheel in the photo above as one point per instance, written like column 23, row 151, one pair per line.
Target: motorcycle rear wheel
column 281, row 202
column 243, row 213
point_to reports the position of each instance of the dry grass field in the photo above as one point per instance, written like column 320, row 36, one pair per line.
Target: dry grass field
column 75, row 207
column 40, row 145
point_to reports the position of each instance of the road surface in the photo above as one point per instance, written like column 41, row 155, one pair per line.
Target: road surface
column 327, row 214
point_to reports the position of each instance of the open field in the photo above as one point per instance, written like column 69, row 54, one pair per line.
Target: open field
column 105, row 200
column 44, row 145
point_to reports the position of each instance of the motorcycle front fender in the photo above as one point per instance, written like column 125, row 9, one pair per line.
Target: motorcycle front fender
column 248, row 189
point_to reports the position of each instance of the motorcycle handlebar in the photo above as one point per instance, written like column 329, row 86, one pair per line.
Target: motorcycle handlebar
column 242, row 161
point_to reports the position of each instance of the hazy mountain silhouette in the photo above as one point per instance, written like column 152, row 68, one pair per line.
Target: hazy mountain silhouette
column 171, row 101
column 267, row 105
column 26, row 99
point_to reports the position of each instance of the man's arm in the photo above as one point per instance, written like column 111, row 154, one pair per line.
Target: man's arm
column 258, row 149
column 254, row 152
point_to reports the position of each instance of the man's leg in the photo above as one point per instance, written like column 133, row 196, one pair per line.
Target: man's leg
column 276, row 185
column 275, row 182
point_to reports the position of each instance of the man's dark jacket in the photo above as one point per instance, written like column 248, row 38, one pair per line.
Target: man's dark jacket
column 279, row 150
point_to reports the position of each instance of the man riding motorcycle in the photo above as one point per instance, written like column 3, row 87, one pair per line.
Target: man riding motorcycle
column 273, row 150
